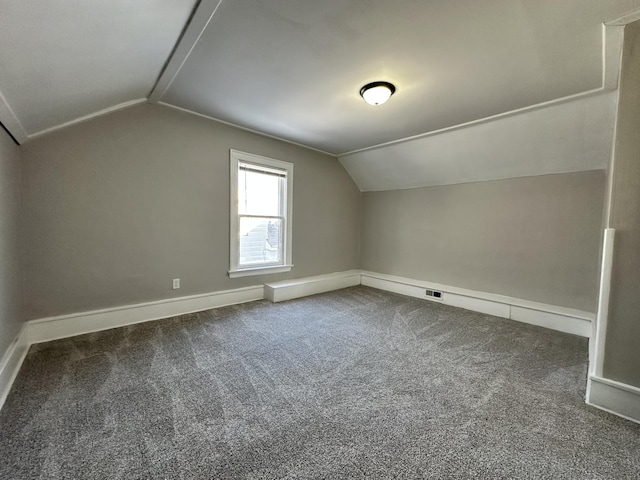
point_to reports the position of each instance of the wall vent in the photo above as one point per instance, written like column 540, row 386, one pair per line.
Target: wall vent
column 435, row 294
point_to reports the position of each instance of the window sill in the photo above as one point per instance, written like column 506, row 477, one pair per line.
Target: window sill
column 247, row 272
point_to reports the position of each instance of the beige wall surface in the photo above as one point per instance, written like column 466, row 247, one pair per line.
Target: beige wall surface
column 10, row 272
column 534, row 238
column 117, row 207
column 622, row 349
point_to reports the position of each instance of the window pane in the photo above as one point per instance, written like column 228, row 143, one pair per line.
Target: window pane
column 258, row 193
column 260, row 241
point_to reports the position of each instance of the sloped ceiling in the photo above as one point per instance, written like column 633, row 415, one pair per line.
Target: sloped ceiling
column 292, row 69
column 560, row 138
column 61, row 60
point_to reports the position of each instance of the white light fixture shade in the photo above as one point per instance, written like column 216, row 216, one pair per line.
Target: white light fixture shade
column 377, row 93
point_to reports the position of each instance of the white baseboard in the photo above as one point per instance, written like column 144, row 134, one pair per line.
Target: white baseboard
column 375, row 281
column 614, row 397
column 476, row 304
column 63, row 326
column 11, row 363
column 302, row 287
column 556, row 321
column 53, row 328
column 563, row 319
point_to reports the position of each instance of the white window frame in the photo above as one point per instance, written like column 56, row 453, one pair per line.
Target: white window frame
column 237, row 157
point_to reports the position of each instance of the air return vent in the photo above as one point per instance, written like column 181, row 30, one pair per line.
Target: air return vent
column 435, row 294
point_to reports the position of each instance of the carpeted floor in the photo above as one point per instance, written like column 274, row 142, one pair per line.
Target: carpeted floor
column 357, row 383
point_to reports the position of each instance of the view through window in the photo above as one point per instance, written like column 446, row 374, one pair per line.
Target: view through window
column 260, row 227
column 260, row 209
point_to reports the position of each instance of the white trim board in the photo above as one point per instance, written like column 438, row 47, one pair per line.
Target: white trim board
column 558, row 318
column 240, row 127
column 53, row 328
column 11, row 122
column 205, row 11
column 11, row 363
column 284, row 170
column 612, row 33
column 85, row 118
column 63, row 326
column 614, row 397
column 596, row 364
column 302, row 287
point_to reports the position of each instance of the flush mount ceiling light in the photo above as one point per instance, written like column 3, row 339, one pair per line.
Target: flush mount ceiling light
column 376, row 93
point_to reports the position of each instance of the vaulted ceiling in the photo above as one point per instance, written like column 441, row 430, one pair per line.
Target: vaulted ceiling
column 293, row 69
column 62, row 60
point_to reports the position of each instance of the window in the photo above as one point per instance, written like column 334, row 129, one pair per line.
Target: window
column 261, row 207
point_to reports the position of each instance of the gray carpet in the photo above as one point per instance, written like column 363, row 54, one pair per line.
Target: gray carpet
column 357, row 383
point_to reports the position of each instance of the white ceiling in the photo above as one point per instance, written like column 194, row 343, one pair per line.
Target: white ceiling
column 292, row 69
column 560, row 138
column 63, row 59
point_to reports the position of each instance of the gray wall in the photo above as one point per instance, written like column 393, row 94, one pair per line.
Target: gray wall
column 118, row 206
column 10, row 272
column 622, row 349
column 534, row 238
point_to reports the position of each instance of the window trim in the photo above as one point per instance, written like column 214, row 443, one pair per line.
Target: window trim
column 235, row 158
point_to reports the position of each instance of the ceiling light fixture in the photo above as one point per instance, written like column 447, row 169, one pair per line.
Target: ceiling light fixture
column 376, row 93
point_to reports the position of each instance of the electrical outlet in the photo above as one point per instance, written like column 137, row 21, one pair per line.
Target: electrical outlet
column 176, row 283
